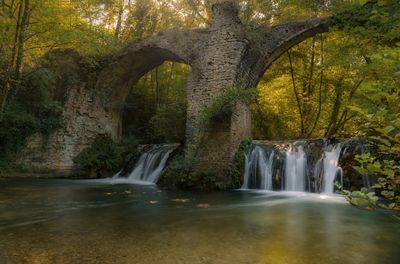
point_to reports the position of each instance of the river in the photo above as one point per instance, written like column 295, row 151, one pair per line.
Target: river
column 77, row 221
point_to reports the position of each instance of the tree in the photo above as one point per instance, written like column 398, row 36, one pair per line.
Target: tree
column 18, row 51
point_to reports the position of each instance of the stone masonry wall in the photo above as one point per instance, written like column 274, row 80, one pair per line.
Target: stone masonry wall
column 224, row 54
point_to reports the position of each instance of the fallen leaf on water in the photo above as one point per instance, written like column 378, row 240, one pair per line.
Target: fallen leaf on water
column 205, row 205
column 180, row 200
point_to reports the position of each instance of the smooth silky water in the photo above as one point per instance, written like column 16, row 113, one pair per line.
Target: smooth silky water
column 71, row 221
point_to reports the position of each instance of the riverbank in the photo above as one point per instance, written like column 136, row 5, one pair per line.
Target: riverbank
column 6, row 173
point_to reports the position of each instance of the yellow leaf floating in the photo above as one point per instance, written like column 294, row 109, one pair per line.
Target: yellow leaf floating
column 180, row 200
column 205, row 205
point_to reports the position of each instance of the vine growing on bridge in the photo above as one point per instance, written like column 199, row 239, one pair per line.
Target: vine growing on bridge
column 217, row 112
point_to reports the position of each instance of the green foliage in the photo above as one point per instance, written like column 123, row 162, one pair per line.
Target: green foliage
column 381, row 122
column 15, row 127
column 186, row 172
column 330, row 72
column 221, row 107
column 327, row 70
column 181, row 175
column 155, row 110
column 168, row 122
column 32, row 110
column 385, row 168
column 237, row 167
column 101, row 157
column 363, row 198
column 327, row 73
column 38, row 89
column 377, row 20
column 128, row 147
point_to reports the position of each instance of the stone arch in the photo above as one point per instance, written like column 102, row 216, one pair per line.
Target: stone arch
column 268, row 44
column 225, row 53
column 137, row 59
column 134, row 61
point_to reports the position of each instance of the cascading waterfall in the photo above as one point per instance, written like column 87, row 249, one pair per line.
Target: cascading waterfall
column 331, row 167
column 149, row 166
column 258, row 168
column 308, row 165
column 295, row 169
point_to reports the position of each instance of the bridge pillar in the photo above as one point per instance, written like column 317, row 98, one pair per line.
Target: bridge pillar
column 217, row 67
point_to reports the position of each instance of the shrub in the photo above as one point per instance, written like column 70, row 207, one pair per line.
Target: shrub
column 102, row 157
column 31, row 109
column 237, row 167
column 181, row 175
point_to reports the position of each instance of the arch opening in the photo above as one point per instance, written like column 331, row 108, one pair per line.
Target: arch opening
column 305, row 93
column 137, row 63
column 154, row 110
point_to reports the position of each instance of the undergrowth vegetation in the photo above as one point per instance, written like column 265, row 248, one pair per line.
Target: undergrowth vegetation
column 31, row 109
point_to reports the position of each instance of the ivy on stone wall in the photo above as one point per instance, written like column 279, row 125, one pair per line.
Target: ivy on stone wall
column 183, row 173
column 221, row 107
column 237, row 167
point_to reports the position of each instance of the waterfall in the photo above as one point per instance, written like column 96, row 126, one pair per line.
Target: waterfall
column 331, row 167
column 258, row 168
column 295, row 169
column 149, row 166
column 304, row 166
column 151, row 163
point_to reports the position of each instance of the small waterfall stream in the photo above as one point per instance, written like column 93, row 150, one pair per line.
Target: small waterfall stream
column 150, row 164
column 331, row 167
column 295, row 169
column 258, row 168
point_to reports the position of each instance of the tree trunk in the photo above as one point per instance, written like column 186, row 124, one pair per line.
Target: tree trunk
column 16, row 60
column 17, row 30
column 19, row 61
column 296, row 93
column 156, row 89
column 321, row 80
column 309, row 89
column 332, row 127
column 119, row 21
column 3, row 98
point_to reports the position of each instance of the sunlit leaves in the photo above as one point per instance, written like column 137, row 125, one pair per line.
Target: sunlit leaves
column 376, row 20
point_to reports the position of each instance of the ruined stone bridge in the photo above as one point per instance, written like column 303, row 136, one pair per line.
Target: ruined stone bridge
column 226, row 53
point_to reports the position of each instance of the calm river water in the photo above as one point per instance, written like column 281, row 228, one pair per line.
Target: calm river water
column 67, row 221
